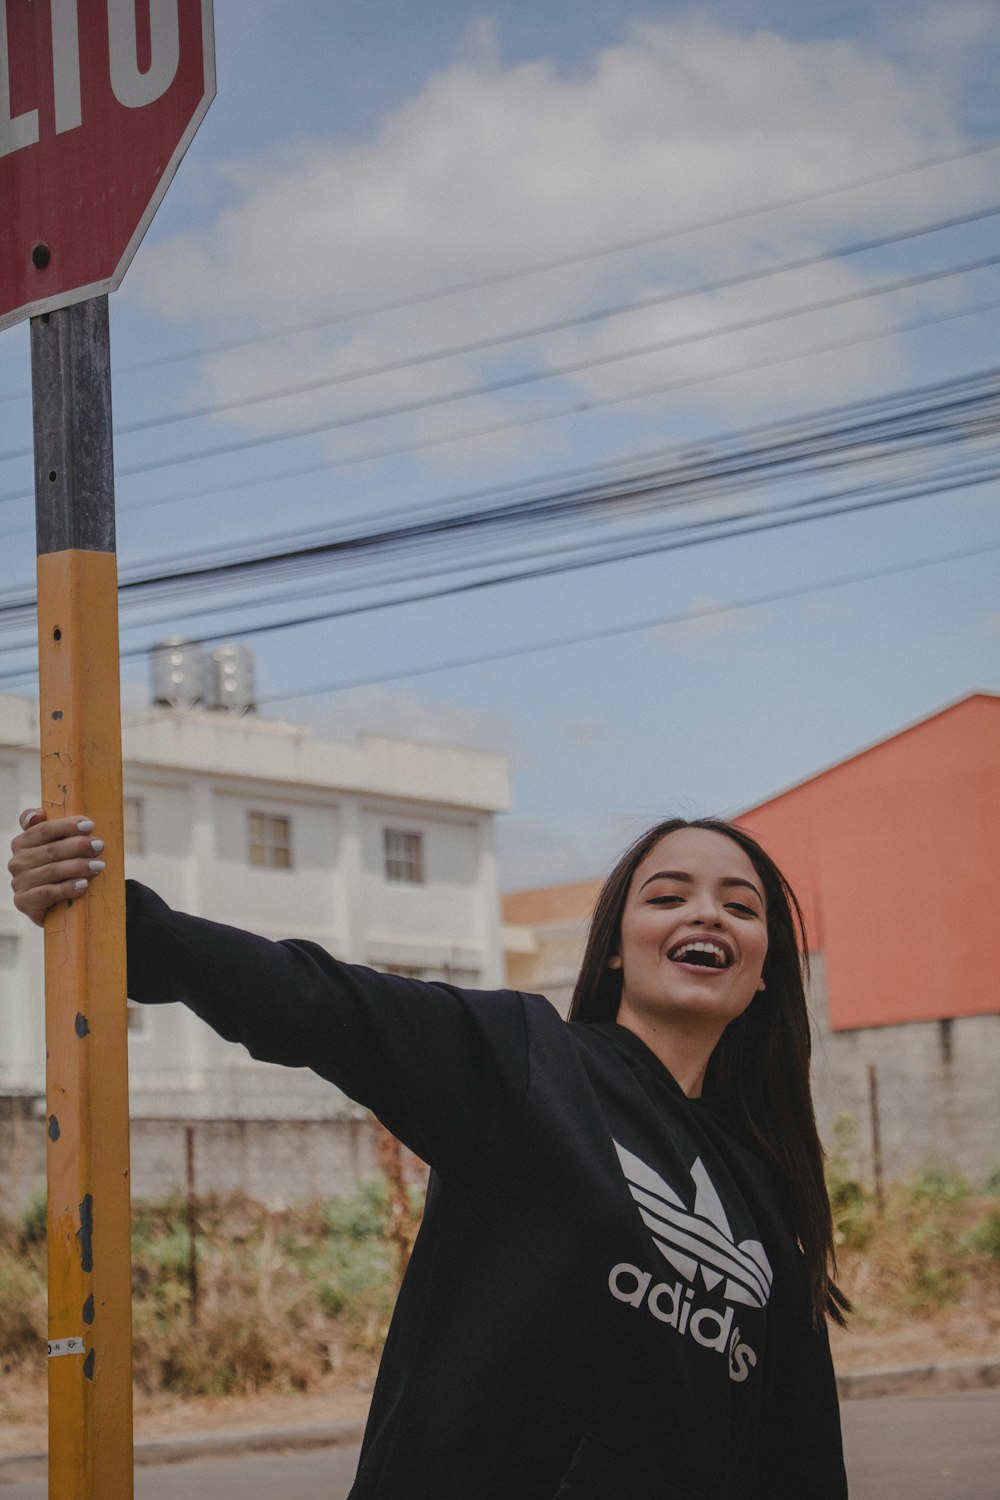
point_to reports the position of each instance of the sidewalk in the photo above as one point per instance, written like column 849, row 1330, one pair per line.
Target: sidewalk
column 905, row 1380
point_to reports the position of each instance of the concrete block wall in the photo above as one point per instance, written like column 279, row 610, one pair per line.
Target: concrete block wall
column 936, row 1084
column 279, row 1162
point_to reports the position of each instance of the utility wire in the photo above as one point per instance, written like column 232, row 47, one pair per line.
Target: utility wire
column 555, row 263
column 556, row 325
column 930, row 485
column 680, row 617
column 611, row 632
column 578, row 408
column 532, row 377
column 887, row 425
column 793, row 515
column 857, row 434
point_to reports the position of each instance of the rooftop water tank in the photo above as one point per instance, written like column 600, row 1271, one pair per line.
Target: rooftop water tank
column 231, row 683
column 179, row 673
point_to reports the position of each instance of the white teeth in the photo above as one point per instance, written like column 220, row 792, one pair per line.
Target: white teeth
column 719, row 954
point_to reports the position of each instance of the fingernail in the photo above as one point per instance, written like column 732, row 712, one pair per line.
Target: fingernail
column 85, row 825
column 29, row 817
column 97, row 845
column 79, row 885
column 97, row 865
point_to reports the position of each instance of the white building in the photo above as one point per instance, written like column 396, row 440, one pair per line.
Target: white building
column 380, row 850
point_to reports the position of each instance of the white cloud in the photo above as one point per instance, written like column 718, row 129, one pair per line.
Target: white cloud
column 376, row 710
column 532, row 852
column 490, row 168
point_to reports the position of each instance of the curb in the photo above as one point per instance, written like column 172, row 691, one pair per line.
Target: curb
column 918, row 1380
column 158, row 1451
column 907, row 1380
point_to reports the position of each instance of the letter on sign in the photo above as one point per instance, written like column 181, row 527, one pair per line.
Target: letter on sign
column 132, row 88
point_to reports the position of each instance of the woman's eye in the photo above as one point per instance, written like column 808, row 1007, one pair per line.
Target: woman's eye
column 664, row 900
column 743, row 910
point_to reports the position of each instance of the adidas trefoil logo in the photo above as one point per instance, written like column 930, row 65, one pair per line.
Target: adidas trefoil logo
column 701, row 1241
column 700, row 1244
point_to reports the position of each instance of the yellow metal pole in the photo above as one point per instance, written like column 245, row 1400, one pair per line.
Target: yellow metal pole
column 89, row 1253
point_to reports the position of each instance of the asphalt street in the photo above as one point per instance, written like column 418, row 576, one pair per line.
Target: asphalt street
column 898, row 1448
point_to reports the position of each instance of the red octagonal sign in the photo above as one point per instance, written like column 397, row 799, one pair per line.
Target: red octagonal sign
column 99, row 100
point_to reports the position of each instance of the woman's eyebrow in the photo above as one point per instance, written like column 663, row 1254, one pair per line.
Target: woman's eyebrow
column 667, row 875
column 682, row 875
column 746, row 884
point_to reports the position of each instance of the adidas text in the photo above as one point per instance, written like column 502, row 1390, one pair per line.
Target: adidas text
column 675, row 1305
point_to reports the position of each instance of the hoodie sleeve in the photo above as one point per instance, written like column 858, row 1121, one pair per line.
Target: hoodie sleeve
column 441, row 1067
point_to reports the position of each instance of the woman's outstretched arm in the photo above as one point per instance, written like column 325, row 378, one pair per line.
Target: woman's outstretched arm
column 442, row 1067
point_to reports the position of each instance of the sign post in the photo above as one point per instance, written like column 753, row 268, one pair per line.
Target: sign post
column 90, row 1323
column 99, row 99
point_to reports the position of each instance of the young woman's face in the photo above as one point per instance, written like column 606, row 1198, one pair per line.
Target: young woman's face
column 693, row 934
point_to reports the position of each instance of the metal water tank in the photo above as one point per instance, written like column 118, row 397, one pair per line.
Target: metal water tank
column 179, row 673
column 232, row 682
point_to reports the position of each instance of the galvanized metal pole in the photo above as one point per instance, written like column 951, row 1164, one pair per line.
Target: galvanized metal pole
column 90, row 1321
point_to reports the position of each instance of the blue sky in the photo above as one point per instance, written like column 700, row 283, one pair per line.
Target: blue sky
column 367, row 153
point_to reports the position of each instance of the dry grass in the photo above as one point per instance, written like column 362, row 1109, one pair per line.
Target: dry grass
column 284, row 1299
column 299, row 1301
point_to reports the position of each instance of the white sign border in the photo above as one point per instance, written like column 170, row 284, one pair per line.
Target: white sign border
column 112, row 282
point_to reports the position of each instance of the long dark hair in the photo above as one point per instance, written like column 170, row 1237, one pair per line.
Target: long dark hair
column 758, row 1074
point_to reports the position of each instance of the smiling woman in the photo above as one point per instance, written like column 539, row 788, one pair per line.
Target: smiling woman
column 736, row 1033
column 621, row 1284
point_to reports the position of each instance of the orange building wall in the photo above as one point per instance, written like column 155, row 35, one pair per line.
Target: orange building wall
column 895, row 857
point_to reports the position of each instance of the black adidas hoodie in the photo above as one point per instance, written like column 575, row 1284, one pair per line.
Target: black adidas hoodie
column 605, row 1301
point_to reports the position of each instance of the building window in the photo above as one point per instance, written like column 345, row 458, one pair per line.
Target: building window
column 134, row 811
column 404, row 856
column 270, row 841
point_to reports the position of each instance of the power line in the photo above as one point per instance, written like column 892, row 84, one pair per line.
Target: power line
column 682, row 617
column 572, row 368
column 859, row 433
column 609, row 632
column 794, row 515
column 943, row 411
column 541, row 329
column 577, row 408
column 556, row 263
column 558, row 325
column 747, row 466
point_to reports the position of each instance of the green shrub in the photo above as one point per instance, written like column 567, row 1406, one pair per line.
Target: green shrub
column 852, row 1206
column 985, row 1238
column 937, row 1184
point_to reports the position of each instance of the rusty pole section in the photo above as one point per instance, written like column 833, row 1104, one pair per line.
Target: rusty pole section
column 89, row 1251
column 876, row 1119
column 192, row 1226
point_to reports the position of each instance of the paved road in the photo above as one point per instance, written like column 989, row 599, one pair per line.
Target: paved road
column 898, row 1448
